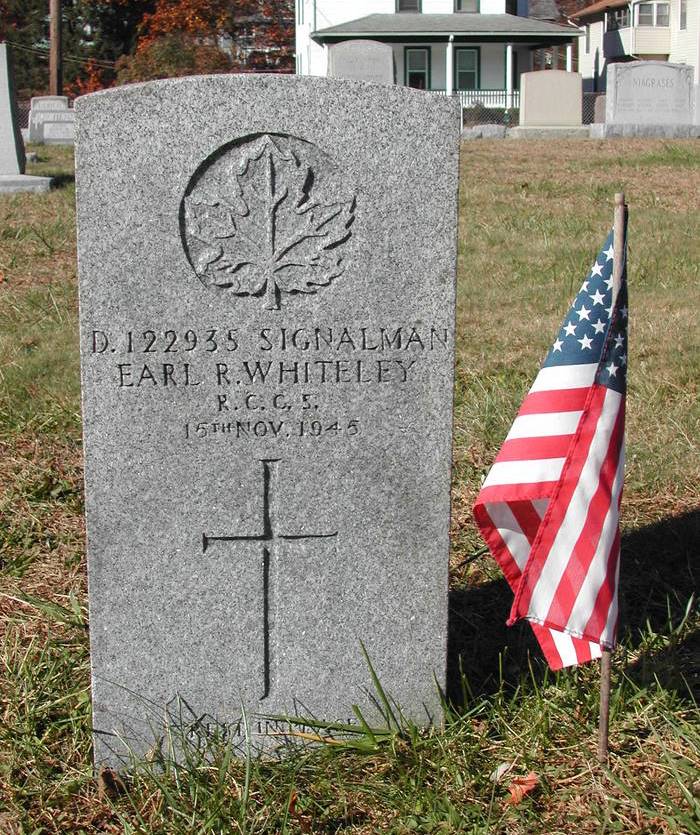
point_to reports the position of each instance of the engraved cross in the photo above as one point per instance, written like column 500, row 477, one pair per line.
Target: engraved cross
column 267, row 538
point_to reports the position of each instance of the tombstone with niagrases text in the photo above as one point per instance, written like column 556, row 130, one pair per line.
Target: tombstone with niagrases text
column 267, row 278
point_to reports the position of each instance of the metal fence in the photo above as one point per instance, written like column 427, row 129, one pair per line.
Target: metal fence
column 23, row 113
column 589, row 100
column 487, row 107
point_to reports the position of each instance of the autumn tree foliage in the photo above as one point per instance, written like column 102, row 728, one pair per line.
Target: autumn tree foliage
column 181, row 37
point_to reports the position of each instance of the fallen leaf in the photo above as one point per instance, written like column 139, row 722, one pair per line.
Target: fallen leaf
column 520, row 787
column 109, row 784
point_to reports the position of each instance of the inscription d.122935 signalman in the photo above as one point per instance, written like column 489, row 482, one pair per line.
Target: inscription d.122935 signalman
column 264, row 216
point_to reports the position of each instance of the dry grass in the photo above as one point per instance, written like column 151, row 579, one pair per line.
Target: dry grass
column 532, row 217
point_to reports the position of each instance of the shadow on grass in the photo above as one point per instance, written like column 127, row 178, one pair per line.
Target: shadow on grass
column 60, row 180
column 657, row 579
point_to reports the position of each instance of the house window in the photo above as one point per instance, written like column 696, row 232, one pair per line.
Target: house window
column 408, row 5
column 588, row 39
column 683, row 16
column 467, row 6
column 466, row 69
column 653, row 14
column 417, row 67
column 617, row 19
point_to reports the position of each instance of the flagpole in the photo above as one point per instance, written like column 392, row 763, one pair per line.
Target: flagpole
column 605, row 660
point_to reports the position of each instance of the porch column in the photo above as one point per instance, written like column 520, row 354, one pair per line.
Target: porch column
column 449, row 64
column 509, row 76
column 569, row 57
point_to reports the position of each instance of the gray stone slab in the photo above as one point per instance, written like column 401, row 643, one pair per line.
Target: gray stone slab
column 649, row 93
column 581, row 132
column 12, row 159
column 631, row 131
column 51, row 121
column 484, row 132
column 599, row 109
column 267, row 269
column 362, row 60
column 551, row 98
column 13, row 183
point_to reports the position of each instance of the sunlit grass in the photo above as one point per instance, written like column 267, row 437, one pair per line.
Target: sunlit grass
column 532, row 218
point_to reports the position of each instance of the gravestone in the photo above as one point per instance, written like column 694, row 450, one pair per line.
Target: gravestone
column 51, row 121
column 267, row 270
column 12, row 156
column 649, row 98
column 551, row 98
column 362, row 60
column 599, row 109
column 650, row 93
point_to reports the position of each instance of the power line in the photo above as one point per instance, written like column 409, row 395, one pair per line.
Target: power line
column 100, row 62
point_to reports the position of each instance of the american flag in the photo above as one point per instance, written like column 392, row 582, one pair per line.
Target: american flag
column 549, row 507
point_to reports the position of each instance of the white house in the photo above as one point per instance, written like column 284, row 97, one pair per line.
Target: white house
column 626, row 30
column 476, row 49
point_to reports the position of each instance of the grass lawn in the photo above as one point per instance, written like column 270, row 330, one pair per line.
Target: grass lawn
column 533, row 216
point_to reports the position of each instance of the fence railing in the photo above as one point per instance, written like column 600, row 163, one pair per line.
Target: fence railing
column 485, row 98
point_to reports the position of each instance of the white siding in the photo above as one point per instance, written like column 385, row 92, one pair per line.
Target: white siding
column 685, row 44
column 587, row 61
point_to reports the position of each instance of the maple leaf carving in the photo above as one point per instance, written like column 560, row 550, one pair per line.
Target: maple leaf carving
column 255, row 227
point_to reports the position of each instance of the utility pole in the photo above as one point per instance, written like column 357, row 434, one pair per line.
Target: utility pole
column 55, row 56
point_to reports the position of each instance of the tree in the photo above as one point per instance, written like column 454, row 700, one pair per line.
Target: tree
column 95, row 33
column 258, row 33
column 171, row 56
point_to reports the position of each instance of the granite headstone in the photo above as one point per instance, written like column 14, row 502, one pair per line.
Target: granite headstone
column 362, row 60
column 650, row 99
column 12, row 156
column 267, row 270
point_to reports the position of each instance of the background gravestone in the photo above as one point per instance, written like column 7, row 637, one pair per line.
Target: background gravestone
column 551, row 98
column 599, row 109
column 362, row 60
column 12, row 157
column 51, row 121
column 650, row 93
column 649, row 98
column 267, row 271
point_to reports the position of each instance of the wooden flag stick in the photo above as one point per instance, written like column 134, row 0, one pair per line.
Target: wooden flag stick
column 619, row 230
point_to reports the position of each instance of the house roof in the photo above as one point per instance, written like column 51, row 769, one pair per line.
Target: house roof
column 431, row 25
column 600, row 7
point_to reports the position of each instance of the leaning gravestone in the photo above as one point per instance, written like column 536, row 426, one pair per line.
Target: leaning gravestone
column 12, row 156
column 649, row 98
column 362, row 60
column 267, row 271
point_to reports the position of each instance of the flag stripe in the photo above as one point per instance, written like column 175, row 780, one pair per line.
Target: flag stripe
column 577, row 593
column 565, row 377
column 539, row 425
column 563, row 521
column 520, row 472
column 523, row 449
column 569, row 400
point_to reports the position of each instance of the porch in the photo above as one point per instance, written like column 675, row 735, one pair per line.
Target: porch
column 476, row 58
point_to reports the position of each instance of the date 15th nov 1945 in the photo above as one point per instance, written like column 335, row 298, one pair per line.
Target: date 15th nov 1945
column 242, row 429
